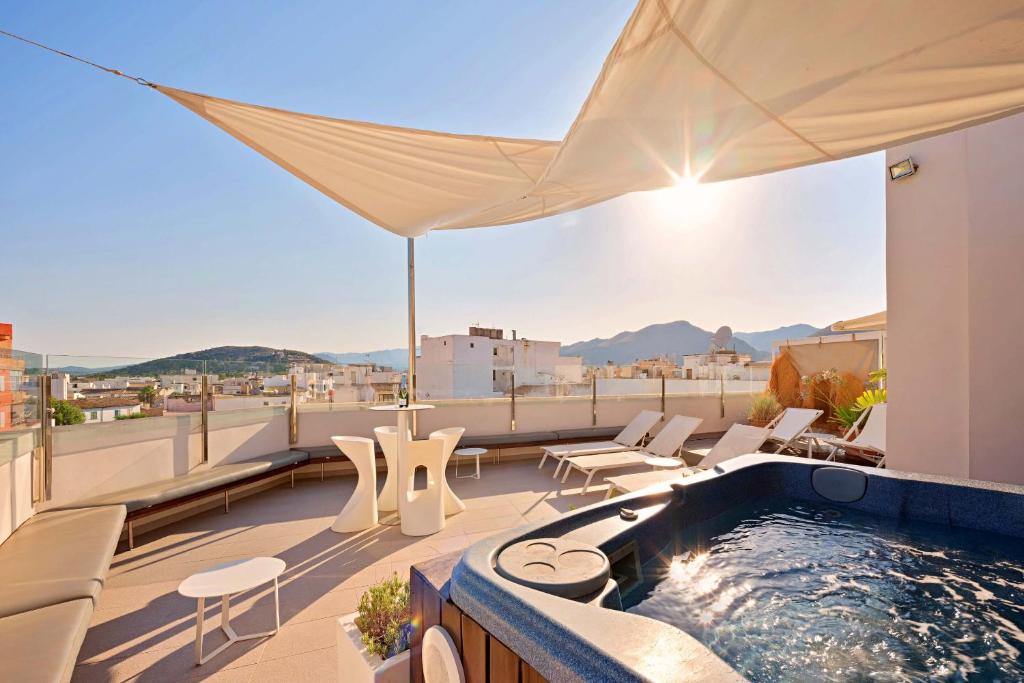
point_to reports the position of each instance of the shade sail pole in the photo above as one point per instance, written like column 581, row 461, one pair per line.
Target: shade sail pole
column 412, row 325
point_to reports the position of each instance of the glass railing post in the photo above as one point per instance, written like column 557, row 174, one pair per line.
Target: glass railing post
column 204, row 416
column 293, row 414
column 663, row 398
column 593, row 400
column 44, row 489
column 513, row 401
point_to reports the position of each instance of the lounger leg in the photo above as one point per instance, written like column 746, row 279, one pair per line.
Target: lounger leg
column 321, row 471
column 543, row 457
column 293, row 478
column 590, row 478
column 131, row 535
column 611, row 490
column 227, row 503
column 568, row 470
column 558, row 467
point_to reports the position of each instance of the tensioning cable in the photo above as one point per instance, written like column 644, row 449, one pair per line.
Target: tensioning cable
column 137, row 79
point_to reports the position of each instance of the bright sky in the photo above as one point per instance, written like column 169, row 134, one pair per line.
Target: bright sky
column 132, row 227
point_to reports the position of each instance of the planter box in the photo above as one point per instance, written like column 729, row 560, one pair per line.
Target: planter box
column 356, row 665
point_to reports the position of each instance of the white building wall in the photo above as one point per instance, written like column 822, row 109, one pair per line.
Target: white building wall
column 954, row 248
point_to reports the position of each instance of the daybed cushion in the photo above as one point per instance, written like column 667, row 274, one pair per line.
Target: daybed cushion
column 196, row 481
column 40, row 646
column 57, row 557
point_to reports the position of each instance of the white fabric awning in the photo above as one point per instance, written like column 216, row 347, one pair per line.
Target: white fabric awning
column 710, row 89
column 875, row 321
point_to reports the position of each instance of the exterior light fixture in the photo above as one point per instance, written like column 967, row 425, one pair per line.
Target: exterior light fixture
column 903, row 169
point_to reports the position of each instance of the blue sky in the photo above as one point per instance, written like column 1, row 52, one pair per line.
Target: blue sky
column 132, row 227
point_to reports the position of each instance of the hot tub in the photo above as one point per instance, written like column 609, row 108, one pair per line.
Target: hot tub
column 772, row 568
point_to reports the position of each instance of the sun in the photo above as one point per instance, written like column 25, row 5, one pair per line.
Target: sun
column 687, row 200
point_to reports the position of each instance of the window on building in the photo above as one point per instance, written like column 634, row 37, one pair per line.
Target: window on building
column 472, row 345
column 94, row 415
column 495, row 349
column 117, row 412
column 494, row 375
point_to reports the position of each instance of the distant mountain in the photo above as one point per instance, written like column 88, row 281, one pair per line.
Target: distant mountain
column 762, row 341
column 222, row 360
column 664, row 339
column 395, row 358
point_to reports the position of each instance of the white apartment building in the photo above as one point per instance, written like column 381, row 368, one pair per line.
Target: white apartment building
column 483, row 364
column 190, row 382
column 720, row 365
column 107, row 409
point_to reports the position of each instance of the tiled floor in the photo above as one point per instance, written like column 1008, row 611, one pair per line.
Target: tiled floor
column 144, row 631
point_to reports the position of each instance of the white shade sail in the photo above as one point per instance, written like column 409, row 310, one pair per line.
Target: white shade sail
column 709, row 89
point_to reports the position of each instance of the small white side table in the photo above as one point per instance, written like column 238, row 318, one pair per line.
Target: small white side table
column 223, row 581
column 664, row 463
column 469, row 453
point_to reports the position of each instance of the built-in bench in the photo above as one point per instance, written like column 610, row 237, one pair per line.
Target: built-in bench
column 52, row 569
column 221, row 480
column 202, row 482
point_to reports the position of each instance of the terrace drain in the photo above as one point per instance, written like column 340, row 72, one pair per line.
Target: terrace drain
column 568, row 569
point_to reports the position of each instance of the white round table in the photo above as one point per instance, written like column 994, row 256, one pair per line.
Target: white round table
column 469, row 453
column 223, row 581
column 401, row 439
column 664, row 463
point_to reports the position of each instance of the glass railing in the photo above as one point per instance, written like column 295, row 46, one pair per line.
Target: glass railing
column 145, row 418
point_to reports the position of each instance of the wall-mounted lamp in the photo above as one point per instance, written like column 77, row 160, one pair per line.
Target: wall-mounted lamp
column 902, row 169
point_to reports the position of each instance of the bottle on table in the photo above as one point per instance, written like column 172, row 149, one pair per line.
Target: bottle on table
column 403, row 396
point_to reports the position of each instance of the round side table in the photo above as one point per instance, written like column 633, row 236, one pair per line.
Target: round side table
column 664, row 463
column 469, row 453
column 223, row 581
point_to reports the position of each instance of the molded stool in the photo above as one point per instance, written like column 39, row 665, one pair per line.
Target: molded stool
column 360, row 512
column 450, row 436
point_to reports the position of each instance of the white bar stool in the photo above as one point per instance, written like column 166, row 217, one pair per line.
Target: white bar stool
column 422, row 511
column 469, row 453
column 387, row 437
column 450, row 436
column 360, row 512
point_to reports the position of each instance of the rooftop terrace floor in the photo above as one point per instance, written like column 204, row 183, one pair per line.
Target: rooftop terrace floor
column 143, row 630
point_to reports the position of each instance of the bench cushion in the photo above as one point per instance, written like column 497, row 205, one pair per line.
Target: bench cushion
column 198, row 480
column 595, row 433
column 57, row 557
column 512, row 439
column 41, row 645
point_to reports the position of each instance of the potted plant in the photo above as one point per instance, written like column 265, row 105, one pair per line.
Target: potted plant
column 763, row 409
column 373, row 642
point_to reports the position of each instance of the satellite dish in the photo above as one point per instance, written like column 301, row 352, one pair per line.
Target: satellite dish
column 721, row 339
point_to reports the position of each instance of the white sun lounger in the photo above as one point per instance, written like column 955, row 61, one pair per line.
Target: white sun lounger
column 629, row 438
column 666, row 444
column 740, row 439
column 867, row 435
column 789, row 427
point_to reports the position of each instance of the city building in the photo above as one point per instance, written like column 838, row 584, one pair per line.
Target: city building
column 107, row 409
column 483, row 364
column 11, row 371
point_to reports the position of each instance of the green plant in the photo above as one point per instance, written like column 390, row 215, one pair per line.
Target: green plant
column 764, row 408
column 131, row 416
column 878, row 377
column 384, row 615
column 147, row 395
column 65, row 413
column 847, row 416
